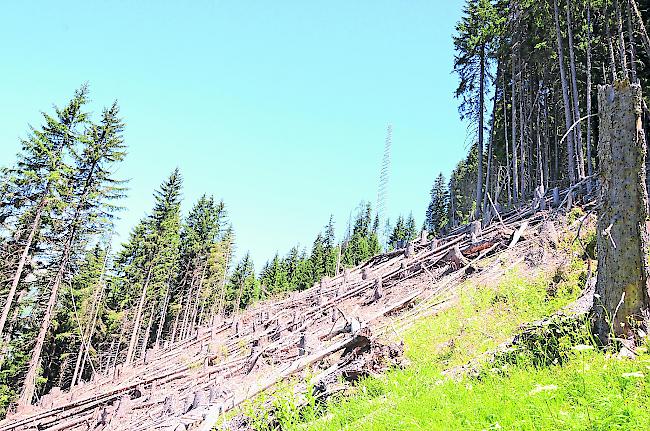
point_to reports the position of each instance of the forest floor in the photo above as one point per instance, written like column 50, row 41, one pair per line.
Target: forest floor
column 456, row 381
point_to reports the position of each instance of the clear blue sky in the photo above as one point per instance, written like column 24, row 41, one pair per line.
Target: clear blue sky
column 278, row 107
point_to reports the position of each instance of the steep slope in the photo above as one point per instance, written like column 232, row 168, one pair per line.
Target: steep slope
column 192, row 383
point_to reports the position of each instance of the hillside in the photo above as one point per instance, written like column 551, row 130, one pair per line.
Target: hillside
column 525, row 263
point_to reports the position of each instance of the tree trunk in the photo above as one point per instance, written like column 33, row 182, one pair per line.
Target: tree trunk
column 481, row 102
column 163, row 314
column 565, row 98
column 577, row 131
column 644, row 33
column 522, row 129
column 610, row 46
column 630, row 37
column 21, row 264
column 590, row 170
column 87, row 334
column 622, row 238
column 138, row 316
column 147, row 332
column 621, row 40
column 488, row 172
column 513, row 109
column 505, row 139
column 198, row 298
column 29, row 387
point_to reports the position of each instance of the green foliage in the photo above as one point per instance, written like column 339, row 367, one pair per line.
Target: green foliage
column 475, row 42
column 436, row 216
column 462, row 185
column 403, row 231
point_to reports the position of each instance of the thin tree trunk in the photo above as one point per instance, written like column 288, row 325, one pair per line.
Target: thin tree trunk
column 576, row 97
column 119, row 345
column 488, row 173
column 630, row 37
column 590, row 170
column 546, row 145
column 513, row 109
column 644, row 33
column 87, row 335
column 505, row 139
column 163, row 314
column 621, row 39
column 138, row 316
column 21, row 263
column 522, row 126
column 565, row 97
column 175, row 326
column 610, row 46
column 481, row 102
column 29, row 387
column 198, row 298
column 147, row 333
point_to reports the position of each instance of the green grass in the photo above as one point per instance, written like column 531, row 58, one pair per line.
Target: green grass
column 588, row 391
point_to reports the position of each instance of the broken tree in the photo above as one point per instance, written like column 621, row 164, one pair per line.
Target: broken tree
column 622, row 236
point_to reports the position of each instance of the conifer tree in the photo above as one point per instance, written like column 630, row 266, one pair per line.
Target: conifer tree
column 150, row 259
column 436, row 215
column 91, row 188
column 31, row 188
column 476, row 34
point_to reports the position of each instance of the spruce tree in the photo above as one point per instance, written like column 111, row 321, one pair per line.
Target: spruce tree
column 31, row 188
column 86, row 202
column 474, row 44
column 436, row 215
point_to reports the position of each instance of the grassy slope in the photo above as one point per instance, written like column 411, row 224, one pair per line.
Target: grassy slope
column 589, row 391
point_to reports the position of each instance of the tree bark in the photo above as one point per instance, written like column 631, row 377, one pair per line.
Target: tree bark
column 513, row 109
column 622, row 236
column 138, row 316
column 87, row 334
column 163, row 314
column 644, row 33
column 630, row 37
column 577, row 131
column 488, row 171
column 590, row 170
column 481, row 102
column 621, row 39
column 610, row 46
column 565, row 98
column 505, row 139
column 21, row 264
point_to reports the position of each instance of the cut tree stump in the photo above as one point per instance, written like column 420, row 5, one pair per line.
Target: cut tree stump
column 455, row 258
column 622, row 237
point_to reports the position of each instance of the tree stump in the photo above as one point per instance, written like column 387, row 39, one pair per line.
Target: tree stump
column 379, row 291
column 622, row 236
column 364, row 273
column 475, row 231
column 455, row 258
column 424, row 236
column 556, row 197
column 539, row 202
column 409, row 251
column 302, row 343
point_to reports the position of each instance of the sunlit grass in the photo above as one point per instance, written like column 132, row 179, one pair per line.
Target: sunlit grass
column 589, row 391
